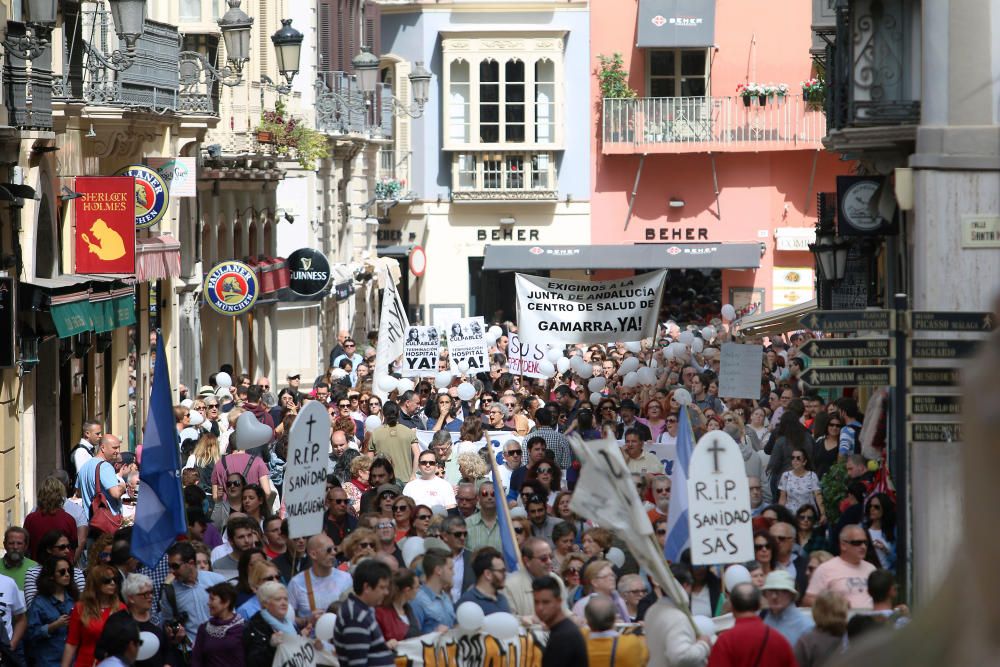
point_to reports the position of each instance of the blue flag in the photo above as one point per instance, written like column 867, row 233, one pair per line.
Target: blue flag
column 678, row 531
column 511, row 552
column 159, row 511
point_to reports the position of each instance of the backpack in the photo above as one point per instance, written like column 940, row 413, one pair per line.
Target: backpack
column 250, row 459
column 857, row 437
column 71, row 463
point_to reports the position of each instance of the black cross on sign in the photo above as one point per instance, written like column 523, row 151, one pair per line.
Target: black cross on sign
column 312, row 420
column 715, row 449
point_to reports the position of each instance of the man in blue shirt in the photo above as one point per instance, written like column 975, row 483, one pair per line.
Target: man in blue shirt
column 782, row 614
column 350, row 352
column 850, row 415
column 491, row 576
column 433, row 607
column 108, row 453
column 185, row 601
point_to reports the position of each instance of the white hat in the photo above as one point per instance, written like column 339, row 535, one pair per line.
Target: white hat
column 779, row 580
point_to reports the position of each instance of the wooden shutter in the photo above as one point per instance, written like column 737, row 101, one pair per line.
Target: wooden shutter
column 373, row 27
column 327, row 32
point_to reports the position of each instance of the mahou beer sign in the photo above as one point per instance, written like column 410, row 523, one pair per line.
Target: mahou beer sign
column 105, row 224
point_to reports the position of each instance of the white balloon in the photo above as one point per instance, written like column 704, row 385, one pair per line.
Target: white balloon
column 324, row 626
column 728, row 312
column 187, row 403
column 412, row 547
column 668, row 352
column 628, row 365
column 616, row 556
column 195, row 418
column 501, row 625
column 697, row 345
column 463, row 367
column 705, row 626
column 678, row 349
column 404, row 385
column 554, row 354
column 685, row 337
column 470, row 616
column 634, row 346
column 585, row 371
column 597, row 384
column 711, row 352
column 223, row 380
column 708, row 333
column 442, row 379
column 251, row 433
column 631, row 380
column 149, row 644
column 466, row 391
column 576, row 362
column 495, row 331
column 596, row 397
column 387, row 383
column 372, row 422
column 563, row 364
column 647, row 375
column 735, row 575
column 546, row 368
column 682, row 396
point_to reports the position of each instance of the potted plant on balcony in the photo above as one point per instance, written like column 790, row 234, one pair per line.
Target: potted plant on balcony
column 814, row 93
column 388, row 189
column 613, row 79
column 778, row 91
column 292, row 137
column 749, row 91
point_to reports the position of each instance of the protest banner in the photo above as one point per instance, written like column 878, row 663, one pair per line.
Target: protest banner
column 457, row 648
column 421, row 351
column 305, row 471
column 391, row 327
column 739, row 370
column 496, row 439
column 467, row 343
column 523, row 357
column 719, row 502
column 296, row 651
column 580, row 311
column 665, row 453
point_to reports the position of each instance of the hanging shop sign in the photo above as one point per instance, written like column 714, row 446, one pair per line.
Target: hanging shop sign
column 862, row 209
column 105, row 224
column 180, row 173
column 231, row 288
column 151, row 194
column 308, row 272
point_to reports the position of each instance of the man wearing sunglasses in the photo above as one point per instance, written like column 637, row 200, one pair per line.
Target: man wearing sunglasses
column 310, row 592
column 628, row 411
column 429, row 489
column 482, row 526
column 846, row 574
column 454, row 533
column 513, row 456
column 187, row 603
column 338, row 522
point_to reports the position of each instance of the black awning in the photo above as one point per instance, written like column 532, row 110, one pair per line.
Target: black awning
column 675, row 23
column 638, row 256
column 394, row 250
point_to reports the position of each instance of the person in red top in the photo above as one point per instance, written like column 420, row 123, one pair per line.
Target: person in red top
column 86, row 622
column 750, row 643
column 395, row 617
column 49, row 515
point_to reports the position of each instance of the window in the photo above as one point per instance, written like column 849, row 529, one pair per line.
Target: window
column 190, row 10
column 486, row 175
column 678, row 73
column 503, row 91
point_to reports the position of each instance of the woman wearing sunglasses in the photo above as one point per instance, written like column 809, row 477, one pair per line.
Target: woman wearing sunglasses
column 808, row 534
column 403, row 509
column 422, row 516
column 98, row 601
column 49, row 614
column 827, row 443
column 800, row 485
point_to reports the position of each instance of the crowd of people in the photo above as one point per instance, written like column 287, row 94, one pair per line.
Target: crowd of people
column 411, row 531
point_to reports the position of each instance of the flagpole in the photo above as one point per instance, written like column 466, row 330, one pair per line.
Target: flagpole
column 503, row 515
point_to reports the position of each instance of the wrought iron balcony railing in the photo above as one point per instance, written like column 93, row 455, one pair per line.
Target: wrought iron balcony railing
column 341, row 107
column 699, row 124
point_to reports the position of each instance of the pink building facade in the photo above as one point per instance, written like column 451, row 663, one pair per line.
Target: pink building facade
column 692, row 165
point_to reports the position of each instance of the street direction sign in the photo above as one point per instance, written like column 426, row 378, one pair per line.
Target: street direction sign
column 848, row 321
column 922, row 320
column 935, row 432
column 922, row 404
column 943, row 349
column 934, row 377
column 848, row 376
column 848, row 348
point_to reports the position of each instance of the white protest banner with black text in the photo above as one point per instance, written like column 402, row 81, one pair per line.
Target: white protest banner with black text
column 719, row 502
column 467, row 343
column 305, row 471
column 739, row 370
column 421, row 351
column 391, row 328
column 523, row 357
column 560, row 311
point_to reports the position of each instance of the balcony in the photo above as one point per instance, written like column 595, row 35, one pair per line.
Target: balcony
column 710, row 124
column 508, row 176
column 341, row 107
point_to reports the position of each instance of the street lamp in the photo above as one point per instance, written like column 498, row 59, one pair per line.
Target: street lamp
column 420, row 80
column 40, row 18
column 129, row 17
column 831, row 254
column 287, row 48
column 235, row 26
column 366, row 67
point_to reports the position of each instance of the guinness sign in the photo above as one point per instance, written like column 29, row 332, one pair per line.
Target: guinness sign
column 309, row 272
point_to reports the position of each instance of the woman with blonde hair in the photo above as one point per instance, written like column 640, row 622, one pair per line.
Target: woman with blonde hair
column 86, row 622
column 471, row 467
column 815, row 647
column 260, row 573
column 203, row 459
column 360, row 544
column 599, row 579
column 50, row 515
column 358, row 484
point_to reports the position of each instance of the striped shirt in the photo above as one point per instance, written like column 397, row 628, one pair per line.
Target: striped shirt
column 558, row 443
column 358, row 638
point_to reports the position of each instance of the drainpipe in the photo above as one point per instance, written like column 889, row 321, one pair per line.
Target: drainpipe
column 635, row 190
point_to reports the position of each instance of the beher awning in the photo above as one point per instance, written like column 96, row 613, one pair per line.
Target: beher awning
column 675, row 23
column 638, row 256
